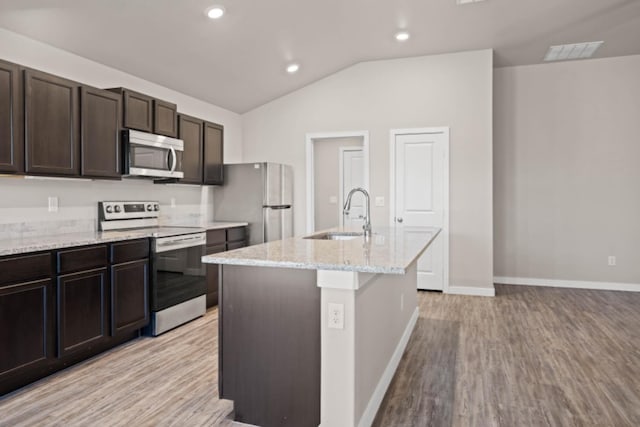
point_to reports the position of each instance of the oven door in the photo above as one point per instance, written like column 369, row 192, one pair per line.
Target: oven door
column 178, row 274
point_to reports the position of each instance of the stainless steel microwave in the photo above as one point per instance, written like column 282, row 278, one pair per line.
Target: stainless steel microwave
column 153, row 156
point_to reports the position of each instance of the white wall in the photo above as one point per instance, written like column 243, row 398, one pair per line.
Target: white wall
column 567, row 170
column 24, row 200
column 443, row 90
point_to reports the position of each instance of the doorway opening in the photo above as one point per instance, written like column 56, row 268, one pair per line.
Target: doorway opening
column 336, row 162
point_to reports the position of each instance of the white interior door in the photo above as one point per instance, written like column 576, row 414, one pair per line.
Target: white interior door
column 352, row 176
column 419, row 176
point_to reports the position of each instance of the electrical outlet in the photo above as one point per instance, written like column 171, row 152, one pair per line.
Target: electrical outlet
column 336, row 316
column 611, row 261
column 53, row 204
column 173, row 202
column 379, row 201
column 401, row 302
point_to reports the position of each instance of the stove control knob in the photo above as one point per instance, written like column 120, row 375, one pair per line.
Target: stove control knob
column 109, row 209
column 117, row 208
column 149, row 208
column 156, row 207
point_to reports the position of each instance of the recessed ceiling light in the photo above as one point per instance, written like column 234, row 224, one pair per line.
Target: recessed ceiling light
column 468, row 1
column 292, row 68
column 215, row 12
column 572, row 51
column 402, row 36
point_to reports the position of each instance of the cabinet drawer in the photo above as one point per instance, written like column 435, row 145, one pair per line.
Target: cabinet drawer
column 129, row 251
column 86, row 258
column 235, row 234
column 24, row 268
column 216, row 237
column 215, row 249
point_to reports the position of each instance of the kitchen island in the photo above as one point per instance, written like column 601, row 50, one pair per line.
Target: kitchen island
column 311, row 330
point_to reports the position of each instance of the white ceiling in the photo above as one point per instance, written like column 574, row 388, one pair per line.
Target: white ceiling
column 238, row 62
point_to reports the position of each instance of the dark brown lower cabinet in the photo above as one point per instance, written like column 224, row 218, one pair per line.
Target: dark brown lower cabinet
column 61, row 307
column 82, row 310
column 26, row 328
column 129, row 296
column 220, row 240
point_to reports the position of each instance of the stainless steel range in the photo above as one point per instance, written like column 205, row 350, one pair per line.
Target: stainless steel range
column 178, row 277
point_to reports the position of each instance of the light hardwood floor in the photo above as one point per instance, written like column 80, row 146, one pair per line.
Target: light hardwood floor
column 530, row 356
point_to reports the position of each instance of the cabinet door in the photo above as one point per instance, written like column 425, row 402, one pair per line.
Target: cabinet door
column 51, row 124
column 191, row 132
column 26, row 327
column 129, row 296
column 82, row 310
column 138, row 111
column 100, row 133
column 165, row 118
column 213, row 154
column 11, row 119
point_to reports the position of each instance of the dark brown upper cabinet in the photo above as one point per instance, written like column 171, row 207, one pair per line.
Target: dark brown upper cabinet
column 147, row 114
column 100, row 126
column 213, row 154
column 165, row 118
column 191, row 131
column 11, row 119
column 52, row 141
column 137, row 110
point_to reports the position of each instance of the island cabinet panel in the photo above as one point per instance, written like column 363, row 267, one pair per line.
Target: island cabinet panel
column 213, row 154
column 269, row 361
column 191, row 132
column 52, row 139
column 100, row 126
column 11, row 119
column 82, row 310
column 165, row 118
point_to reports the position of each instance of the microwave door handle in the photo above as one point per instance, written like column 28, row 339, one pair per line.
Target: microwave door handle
column 175, row 159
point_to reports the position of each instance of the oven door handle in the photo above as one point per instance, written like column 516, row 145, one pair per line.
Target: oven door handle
column 182, row 243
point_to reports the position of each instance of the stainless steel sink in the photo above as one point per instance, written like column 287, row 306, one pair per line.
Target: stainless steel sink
column 336, row 235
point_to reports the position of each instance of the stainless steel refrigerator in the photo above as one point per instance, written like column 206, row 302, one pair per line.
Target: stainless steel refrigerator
column 260, row 194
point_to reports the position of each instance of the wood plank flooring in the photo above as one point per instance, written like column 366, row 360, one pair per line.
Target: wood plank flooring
column 529, row 357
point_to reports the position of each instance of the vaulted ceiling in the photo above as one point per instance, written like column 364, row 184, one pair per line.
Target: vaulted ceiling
column 238, row 62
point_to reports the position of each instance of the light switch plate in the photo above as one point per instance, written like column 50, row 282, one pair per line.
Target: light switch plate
column 53, row 204
column 379, row 201
column 333, row 200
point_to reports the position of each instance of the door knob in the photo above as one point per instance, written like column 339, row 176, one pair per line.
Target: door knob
column 399, row 219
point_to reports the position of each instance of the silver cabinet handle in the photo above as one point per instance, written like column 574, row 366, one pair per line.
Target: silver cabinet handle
column 399, row 219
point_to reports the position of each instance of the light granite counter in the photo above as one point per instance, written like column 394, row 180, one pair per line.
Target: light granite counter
column 390, row 250
column 216, row 225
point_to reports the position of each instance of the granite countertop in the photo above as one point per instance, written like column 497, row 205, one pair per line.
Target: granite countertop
column 389, row 251
column 20, row 245
column 224, row 224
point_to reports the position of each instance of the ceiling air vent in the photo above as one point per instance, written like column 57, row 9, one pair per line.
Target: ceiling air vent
column 572, row 51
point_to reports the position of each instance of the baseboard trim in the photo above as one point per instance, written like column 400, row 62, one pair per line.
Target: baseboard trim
column 471, row 290
column 576, row 284
column 378, row 394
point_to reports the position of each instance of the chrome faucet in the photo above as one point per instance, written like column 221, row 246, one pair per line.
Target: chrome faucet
column 367, row 216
